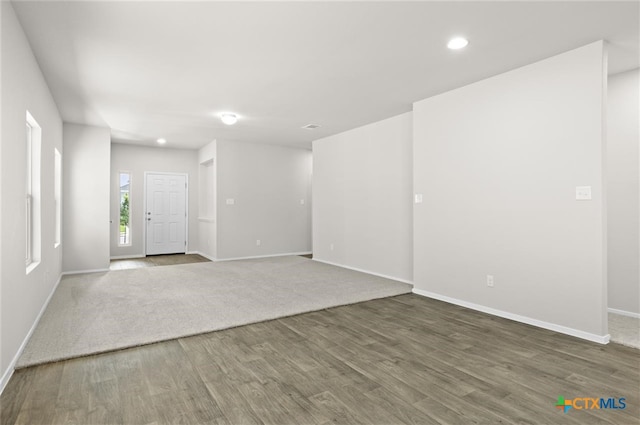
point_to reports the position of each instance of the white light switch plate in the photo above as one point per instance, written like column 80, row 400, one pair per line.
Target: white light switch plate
column 583, row 193
column 417, row 198
column 231, row 201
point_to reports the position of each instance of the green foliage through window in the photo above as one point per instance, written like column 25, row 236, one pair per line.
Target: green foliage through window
column 124, row 210
column 124, row 229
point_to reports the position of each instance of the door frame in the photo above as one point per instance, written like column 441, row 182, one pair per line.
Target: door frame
column 186, row 207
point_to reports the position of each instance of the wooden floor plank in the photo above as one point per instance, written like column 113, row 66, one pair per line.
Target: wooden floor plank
column 400, row 360
column 14, row 396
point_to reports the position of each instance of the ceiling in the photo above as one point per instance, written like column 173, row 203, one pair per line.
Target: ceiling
column 167, row 69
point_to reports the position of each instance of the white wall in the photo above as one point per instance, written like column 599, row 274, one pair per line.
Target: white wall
column 86, row 173
column 498, row 162
column 24, row 88
column 136, row 160
column 623, row 135
column 267, row 184
column 362, row 199
column 207, row 202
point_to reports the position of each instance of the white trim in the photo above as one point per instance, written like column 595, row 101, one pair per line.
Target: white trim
column 624, row 313
column 600, row 339
column 364, row 271
column 32, row 266
column 126, row 257
column 6, row 376
column 85, row 271
column 261, row 256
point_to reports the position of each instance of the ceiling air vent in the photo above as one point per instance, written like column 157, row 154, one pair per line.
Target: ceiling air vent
column 311, row 126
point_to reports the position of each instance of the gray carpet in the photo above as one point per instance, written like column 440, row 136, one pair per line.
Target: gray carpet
column 624, row 330
column 99, row 312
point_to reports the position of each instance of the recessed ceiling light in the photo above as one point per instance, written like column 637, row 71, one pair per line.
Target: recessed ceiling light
column 161, row 141
column 457, row 43
column 229, row 119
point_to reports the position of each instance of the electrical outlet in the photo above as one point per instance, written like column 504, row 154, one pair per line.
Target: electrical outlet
column 258, row 242
column 583, row 193
column 490, row 281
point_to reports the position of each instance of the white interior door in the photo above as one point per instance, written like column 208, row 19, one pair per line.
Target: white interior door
column 166, row 214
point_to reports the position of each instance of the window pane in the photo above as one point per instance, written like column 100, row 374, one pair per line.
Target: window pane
column 28, row 215
column 124, row 234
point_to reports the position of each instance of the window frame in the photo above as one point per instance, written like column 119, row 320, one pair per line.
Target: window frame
column 129, row 234
column 33, row 213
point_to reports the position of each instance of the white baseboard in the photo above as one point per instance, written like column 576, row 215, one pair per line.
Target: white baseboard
column 127, row 257
column 364, row 271
column 600, row 339
column 85, row 271
column 624, row 313
column 263, row 256
column 9, row 372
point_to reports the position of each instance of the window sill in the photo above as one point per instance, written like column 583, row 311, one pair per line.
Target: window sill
column 31, row 267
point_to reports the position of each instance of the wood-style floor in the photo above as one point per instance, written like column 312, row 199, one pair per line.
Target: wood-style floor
column 406, row 359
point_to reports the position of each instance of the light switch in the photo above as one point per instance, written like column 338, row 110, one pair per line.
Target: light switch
column 231, row 201
column 301, row 201
column 417, row 198
column 583, row 193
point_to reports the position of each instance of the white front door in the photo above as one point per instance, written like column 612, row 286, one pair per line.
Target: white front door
column 166, row 213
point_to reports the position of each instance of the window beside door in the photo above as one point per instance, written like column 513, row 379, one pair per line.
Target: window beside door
column 124, row 233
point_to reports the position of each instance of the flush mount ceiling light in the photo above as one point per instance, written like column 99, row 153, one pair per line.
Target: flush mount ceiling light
column 229, row 119
column 161, row 141
column 457, row 43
